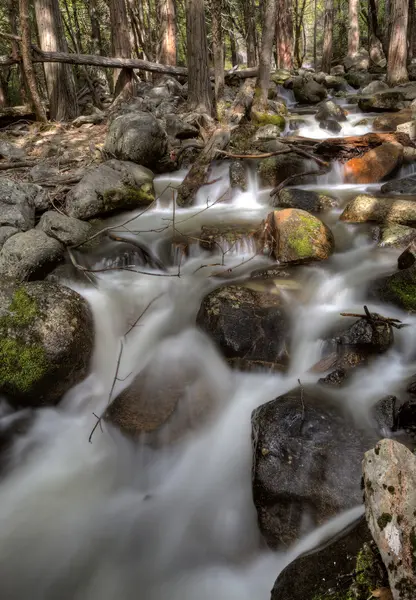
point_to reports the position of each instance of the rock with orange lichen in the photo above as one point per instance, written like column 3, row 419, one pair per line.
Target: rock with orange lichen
column 374, row 165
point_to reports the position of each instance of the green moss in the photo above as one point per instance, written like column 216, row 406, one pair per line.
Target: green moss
column 129, row 196
column 383, row 521
column 21, row 365
column 404, row 290
column 22, row 310
column 301, row 240
column 264, row 118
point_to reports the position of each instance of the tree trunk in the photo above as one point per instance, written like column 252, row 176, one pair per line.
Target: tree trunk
column 95, row 27
column 411, row 49
column 315, row 30
column 263, row 78
column 375, row 47
column 396, row 64
column 284, row 34
column 299, row 12
column 250, row 27
column 328, row 28
column 386, row 27
column 60, row 82
column 12, row 14
column 27, row 61
column 167, row 16
column 233, row 49
column 120, row 43
column 353, row 28
column 199, row 84
column 218, row 49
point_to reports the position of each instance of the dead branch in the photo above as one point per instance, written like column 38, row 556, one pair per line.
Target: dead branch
column 285, row 182
column 265, row 155
column 22, row 164
column 376, row 318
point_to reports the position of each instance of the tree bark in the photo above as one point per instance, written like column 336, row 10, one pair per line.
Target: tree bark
column 284, row 34
column 199, row 84
column 27, row 61
column 375, row 47
column 315, row 30
column 299, row 12
column 95, row 27
column 353, row 28
column 218, row 49
column 12, row 14
column 60, row 82
column 411, row 48
column 396, row 64
column 167, row 17
column 328, row 29
column 250, row 27
column 120, row 43
column 268, row 34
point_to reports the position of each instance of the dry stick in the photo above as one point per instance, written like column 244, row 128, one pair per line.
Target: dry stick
column 309, row 155
column 17, row 165
column 284, row 183
column 266, row 155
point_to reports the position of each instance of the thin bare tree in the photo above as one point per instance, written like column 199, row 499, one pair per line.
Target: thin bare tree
column 397, row 59
column 353, row 28
column 328, row 34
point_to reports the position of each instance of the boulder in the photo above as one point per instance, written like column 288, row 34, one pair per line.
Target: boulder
column 338, row 70
column 392, row 235
column 245, row 323
column 360, row 61
column 224, row 236
column 298, row 439
column 112, row 186
column 65, row 229
column 408, row 257
column 47, row 339
column 330, row 125
column 304, row 199
column 347, row 566
column 308, row 92
column 408, row 90
column 5, row 233
column 276, row 169
column 398, row 289
column 409, row 128
column 11, row 152
column 374, row 87
column 180, row 129
column 405, row 185
column 406, row 415
column 389, row 472
column 16, row 207
column 295, row 236
column 390, row 122
column 390, row 100
column 358, row 79
column 137, row 137
column 238, row 175
column 29, row 255
column 374, row 165
column 330, row 110
column 266, row 132
column 365, row 208
column 338, row 84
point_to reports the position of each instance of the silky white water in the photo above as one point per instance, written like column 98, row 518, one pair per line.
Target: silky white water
column 111, row 519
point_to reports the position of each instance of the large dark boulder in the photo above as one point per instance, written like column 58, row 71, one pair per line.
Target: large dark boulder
column 304, row 199
column 307, row 454
column 405, row 185
column 398, row 289
column 46, row 342
column 330, row 110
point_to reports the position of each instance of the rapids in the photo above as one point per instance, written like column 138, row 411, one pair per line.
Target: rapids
column 107, row 519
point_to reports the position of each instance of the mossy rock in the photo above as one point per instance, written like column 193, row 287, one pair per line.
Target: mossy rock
column 267, row 118
column 128, row 196
column 46, row 341
column 241, row 139
column 276, row 169
column 280, row 76
column 398, row 289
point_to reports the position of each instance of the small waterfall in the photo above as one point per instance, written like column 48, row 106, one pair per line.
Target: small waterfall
column 287, row 95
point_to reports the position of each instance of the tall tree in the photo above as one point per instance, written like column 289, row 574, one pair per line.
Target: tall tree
column 315, row 31
column 375, row 47
column 411, row 46
column 27, row 60
column 12, row 14
column 120, row 45
column 267, row 38
column 250, row 31
column 284, row 34
column 63, row 105
column 353, row 28
column 96, row 39
column 218, row 49
column 328, row 31
column 167, row 19
column 199, row 83
column 299, row 13
column 396, row 63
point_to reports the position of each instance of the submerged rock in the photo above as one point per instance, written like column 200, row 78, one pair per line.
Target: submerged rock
column 398, row 289
column 47, row 338
column 330, row 110
column 298, row 439
column 226, row 237
column 238, row 175
column 330, row 125
column 390, row 498
column 276, row 169
column 295, row 236
column 365, row 208
column 137, row 137
column 405, row 185
column 246, row 324
column 112, row 186
column 304, row 199
column 374, row 165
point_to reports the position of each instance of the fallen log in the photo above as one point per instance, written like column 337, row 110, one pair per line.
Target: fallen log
column 243, row 101
column 23, row 164
column 344, row 149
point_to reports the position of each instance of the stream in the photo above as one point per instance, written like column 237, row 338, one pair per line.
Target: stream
column 110, row 519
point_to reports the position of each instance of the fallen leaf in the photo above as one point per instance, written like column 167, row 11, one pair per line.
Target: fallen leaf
column 382, row 593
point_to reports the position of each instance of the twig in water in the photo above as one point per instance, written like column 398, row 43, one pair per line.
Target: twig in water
column 374, row 317
column 285, row 182
column 253, row 156
column 302, row 400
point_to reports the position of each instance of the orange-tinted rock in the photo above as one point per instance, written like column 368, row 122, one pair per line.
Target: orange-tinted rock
column 374, row 165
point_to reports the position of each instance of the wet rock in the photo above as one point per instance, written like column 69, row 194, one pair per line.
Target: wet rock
column 308, row 92
column 276, row 169
column 16, row 208
column 335, row 378
column 47, row 338
column 245, row 323
column 330, row 110
column 398, row 289
column 13, row 425
column 409, row 128
column 338, row 70
column 384, row 413
column 304, row 199
column 382, row 101
column 390, row 498
column 374, row 165
column 408, row 257
column 225, row 237
column 382, row 210
column 360, row 61
column 238, row 175
column 180, row 129
column 408, row 90
column 29, row 255
column 390, row 122
column 374, row 87
column 139, row 138
column 112, row 186
column 406, row 415
column 296, row 123
column 393, row 235
column 357, row 79
column 267, row 132
column 406, row 185
column 298, row 439
column 347, row 566
column 330, row 125
column 295, row 236
column 65, row 229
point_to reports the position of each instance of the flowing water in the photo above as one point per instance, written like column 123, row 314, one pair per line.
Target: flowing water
column 109, row 519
